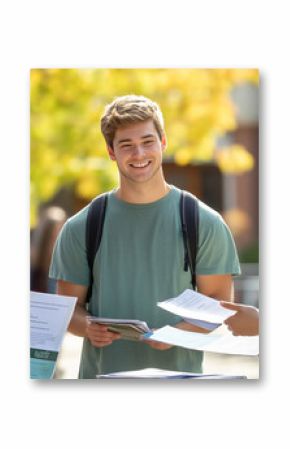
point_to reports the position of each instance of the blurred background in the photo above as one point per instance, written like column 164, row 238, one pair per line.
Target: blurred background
column 212, row 126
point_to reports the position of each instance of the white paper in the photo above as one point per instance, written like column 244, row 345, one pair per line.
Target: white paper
column 49, row 318
column 220, row 341
column 147, row 373
column 193, row 305
column 155, row 373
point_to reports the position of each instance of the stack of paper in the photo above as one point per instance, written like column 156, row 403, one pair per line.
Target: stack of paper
column 128, row 329
column 154, row 373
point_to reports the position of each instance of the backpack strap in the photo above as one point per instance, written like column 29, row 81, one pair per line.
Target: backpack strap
column 94, row 230
column 189, row 216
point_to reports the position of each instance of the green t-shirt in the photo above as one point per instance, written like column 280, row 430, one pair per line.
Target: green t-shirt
column 140, row 262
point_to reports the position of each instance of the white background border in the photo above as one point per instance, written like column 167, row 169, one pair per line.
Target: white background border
column 76, row 414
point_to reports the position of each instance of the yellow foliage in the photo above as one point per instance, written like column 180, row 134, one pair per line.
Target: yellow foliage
column 234, row 159
column 33, row 215
column 223, row 114
column 204, row 149
column 67, row 147
column 88, row 185
column 183, row 156
column 48, row 187
column 238, row 221
column 245, row 75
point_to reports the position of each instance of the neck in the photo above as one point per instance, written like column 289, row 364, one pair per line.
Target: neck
column 142, row 193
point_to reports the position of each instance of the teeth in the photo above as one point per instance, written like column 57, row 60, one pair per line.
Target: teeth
column 140, row 164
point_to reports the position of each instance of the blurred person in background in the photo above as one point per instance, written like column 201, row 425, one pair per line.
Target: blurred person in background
column 42, row 242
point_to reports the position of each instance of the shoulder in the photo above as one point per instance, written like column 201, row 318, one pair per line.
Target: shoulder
column 212, row 227
column 208, row 216
column 77, row 222
column 69, row 260
column 217, row 252
column 73, row 231
column 211, row 224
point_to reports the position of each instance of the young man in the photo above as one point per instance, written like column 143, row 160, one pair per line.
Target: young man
column 140, row 259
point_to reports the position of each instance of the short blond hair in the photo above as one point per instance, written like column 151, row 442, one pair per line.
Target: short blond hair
column 127, row 110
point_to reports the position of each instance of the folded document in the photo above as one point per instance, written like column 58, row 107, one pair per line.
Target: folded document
column 128, row 329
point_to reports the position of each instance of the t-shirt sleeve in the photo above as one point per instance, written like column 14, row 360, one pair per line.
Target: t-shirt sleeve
column 217, row 252
column 69, row 261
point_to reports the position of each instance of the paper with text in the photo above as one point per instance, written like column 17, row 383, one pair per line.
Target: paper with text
column 193, row 305
column 49, row 318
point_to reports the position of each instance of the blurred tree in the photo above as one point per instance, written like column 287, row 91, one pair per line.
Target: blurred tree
column 67, row 147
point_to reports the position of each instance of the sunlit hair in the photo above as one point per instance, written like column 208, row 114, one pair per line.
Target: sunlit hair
column 127, row 110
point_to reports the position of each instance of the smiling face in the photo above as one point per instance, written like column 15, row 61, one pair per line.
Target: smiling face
column 138, row 151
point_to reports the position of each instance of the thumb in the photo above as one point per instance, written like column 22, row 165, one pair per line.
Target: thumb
column 230, row 305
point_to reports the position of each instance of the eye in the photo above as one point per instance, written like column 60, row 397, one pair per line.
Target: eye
column 126, row 147
column 148, row 142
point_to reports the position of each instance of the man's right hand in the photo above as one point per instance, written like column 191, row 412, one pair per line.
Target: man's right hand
column 80, row 325
column 99, row 335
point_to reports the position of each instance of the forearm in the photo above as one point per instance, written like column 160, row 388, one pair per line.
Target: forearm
column 78, row 323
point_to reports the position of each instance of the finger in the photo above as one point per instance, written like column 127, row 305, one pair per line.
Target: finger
column 95, row 327
column 228, row 324
column 230, row 305
column 100, row 330
column 101, row 339
column 100, row 327
column 233, row 331
column 104, row 336
column 229, row 321
column 115, row 335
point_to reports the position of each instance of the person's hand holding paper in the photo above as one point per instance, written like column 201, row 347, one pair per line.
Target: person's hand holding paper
column 99, row 335
column 191, row 305
column 197, row 309
column 245, row 321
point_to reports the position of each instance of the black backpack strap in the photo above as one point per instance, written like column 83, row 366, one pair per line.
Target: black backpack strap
column 189, row 216
column 94, row 230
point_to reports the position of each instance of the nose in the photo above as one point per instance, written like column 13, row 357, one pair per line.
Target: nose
column 139, row 151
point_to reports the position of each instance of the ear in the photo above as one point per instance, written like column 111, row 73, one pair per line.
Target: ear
column 164, row 142
column 111, row 153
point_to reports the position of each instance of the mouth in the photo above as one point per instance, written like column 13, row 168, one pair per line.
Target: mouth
column 140, row 165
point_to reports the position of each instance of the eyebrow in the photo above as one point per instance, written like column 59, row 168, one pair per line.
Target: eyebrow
column 130, row 140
